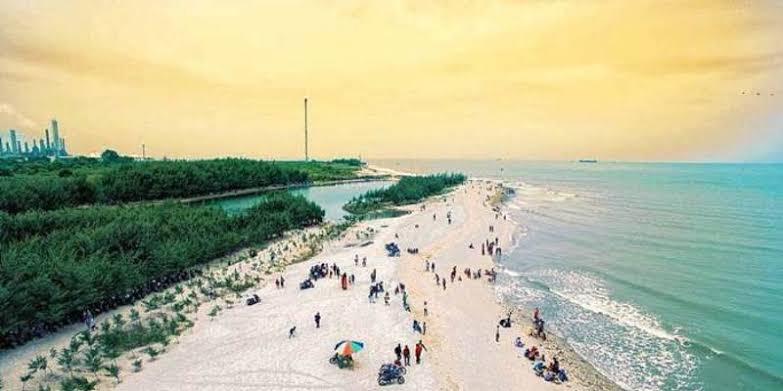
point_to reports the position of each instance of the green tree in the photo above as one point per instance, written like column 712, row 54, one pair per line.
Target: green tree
column 66, row 360
column 110, row 156
column 114, row 371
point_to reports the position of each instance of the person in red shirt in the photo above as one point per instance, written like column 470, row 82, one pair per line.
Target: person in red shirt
column 406, row 355
column 417, row 350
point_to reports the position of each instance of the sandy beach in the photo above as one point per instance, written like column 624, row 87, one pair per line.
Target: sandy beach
column 248, row 347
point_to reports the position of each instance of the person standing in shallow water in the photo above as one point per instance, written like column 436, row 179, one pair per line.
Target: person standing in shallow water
column 318, row 320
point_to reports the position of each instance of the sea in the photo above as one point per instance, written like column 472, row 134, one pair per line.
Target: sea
column 664, row 276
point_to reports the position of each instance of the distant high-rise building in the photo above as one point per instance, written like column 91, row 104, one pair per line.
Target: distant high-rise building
column 41, row 147
column 55, row 137
column 7, row 148
column 2, row 151
column 18, row 147
column 48, row 148
column 26, row 148
column 62, row 146
column 14, row 142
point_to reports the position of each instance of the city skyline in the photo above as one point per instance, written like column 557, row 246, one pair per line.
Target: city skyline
column 633, row 81
column 15, row 143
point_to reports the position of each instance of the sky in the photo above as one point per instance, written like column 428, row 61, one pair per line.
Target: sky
column 543, row 80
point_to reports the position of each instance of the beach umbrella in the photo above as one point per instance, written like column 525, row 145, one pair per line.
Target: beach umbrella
column 348, row 347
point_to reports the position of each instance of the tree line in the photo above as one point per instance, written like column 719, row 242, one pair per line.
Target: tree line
column 55, row 264
column 34, row 185
column 409, row 189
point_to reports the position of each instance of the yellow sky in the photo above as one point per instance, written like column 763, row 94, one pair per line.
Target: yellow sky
column 631, row 80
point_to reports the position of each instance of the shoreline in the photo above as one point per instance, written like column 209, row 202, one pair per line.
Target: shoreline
column 587, row 373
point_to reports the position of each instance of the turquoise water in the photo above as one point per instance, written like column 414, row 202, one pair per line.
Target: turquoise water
column 664, row 276
column 330, row 198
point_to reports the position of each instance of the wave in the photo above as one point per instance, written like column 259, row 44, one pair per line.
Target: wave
column 540, row 193
column 591, row 294
column 619, row 339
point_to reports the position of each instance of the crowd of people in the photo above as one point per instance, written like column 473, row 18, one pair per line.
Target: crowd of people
column 402, row 352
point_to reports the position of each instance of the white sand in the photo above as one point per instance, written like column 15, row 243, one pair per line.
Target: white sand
column 247, row 348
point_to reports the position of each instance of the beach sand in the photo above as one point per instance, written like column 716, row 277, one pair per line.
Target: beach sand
column 248, row 348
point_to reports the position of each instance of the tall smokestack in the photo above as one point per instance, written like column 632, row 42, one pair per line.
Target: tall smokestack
column 307, row 154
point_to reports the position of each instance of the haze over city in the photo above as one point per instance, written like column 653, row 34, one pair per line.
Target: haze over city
column 642, row 80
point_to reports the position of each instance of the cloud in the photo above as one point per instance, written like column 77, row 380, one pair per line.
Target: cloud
column 16, row 116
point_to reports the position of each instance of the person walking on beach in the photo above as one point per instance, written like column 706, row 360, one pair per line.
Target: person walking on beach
column 282, row 282
column 318, row 320
column 406, row 354
column 497, row 333
column 423, row 328
column 426, row 312
column 89, row 320
column 292, row 332
column 398, row 352
column 417, row 351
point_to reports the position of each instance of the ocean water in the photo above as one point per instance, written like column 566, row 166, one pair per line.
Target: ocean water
column 663, row 276
column 330, row 198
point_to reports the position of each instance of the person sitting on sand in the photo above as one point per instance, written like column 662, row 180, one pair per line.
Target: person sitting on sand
column 538, row 367
column 518, row 342
column 531, row 353
column 292, row 332
column 554, row 366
